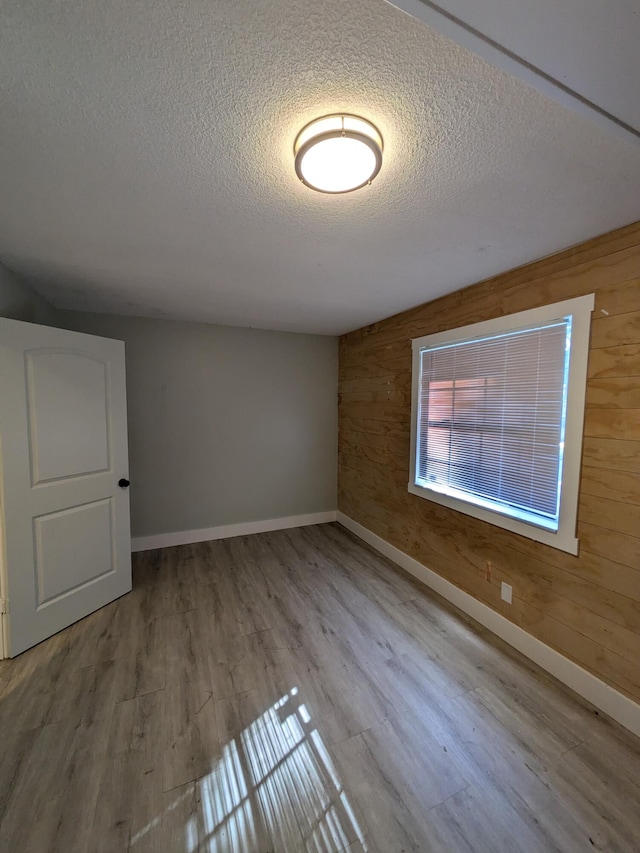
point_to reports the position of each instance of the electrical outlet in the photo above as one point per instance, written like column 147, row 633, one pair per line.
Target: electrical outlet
column 506, row 592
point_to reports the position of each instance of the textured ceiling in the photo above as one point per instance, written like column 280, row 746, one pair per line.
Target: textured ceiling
column 583, row 53
column 146, row 161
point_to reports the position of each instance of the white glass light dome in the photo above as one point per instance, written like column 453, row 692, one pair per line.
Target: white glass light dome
column 338, row 153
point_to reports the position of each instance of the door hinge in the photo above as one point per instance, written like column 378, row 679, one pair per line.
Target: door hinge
column 4, row 605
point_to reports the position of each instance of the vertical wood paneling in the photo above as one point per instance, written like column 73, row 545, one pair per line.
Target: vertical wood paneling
column 587, row 607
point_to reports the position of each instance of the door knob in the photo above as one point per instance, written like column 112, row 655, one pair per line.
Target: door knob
column 123, row 483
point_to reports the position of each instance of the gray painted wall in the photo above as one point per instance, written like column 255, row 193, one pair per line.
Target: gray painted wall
column 18, row 301
column 226, row 425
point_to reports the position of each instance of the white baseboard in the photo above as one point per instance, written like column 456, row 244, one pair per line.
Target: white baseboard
column 226, row 531
column 606, row 698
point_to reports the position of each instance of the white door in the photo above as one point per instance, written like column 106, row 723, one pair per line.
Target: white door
column 63, row 449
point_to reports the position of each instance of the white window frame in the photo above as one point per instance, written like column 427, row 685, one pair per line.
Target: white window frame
column 580, row 311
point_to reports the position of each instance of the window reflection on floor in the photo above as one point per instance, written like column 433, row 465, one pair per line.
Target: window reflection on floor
column 277, row 779
column 274, row 788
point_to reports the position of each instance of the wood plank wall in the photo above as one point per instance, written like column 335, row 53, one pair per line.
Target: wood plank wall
column 587, row 607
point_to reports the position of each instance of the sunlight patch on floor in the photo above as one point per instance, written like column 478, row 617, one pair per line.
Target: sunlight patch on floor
column 275, row 782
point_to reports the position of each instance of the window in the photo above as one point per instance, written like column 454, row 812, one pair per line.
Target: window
column 497, row 417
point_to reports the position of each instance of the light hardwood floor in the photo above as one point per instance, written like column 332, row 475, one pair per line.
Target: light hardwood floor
column 292, row 691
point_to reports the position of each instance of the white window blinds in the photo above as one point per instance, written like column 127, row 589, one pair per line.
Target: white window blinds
column 491, row 420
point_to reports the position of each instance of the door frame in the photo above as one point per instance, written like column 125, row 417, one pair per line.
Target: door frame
column 4, row 640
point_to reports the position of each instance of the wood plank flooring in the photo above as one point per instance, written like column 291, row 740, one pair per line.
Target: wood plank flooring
column 292, row 691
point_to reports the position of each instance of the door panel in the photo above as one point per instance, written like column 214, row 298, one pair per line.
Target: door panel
column 63, row 448
column 68, row 414
column 73, row 548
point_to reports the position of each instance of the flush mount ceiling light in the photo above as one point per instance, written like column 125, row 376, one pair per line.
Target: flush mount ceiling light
column 338, row 153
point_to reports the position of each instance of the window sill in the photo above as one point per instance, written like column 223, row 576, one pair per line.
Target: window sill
column 561, row 540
